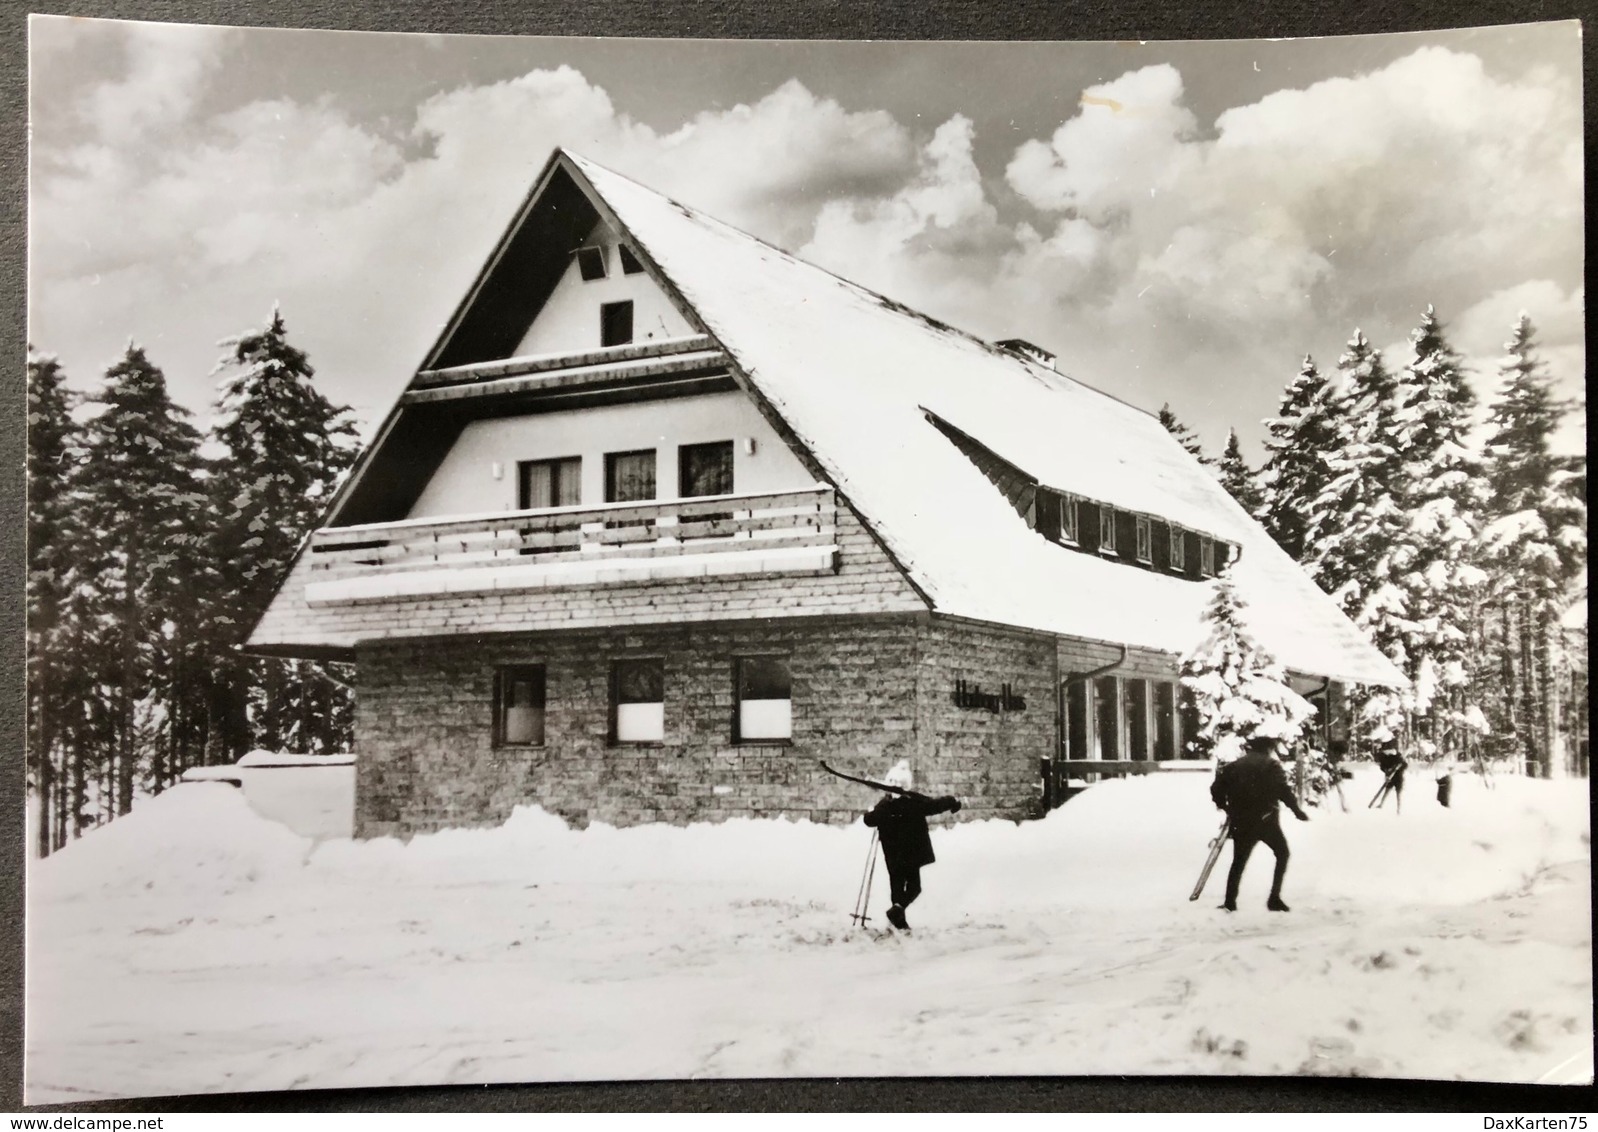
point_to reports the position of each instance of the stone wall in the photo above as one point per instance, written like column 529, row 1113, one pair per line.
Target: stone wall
column 427, row 760
column 867, row 691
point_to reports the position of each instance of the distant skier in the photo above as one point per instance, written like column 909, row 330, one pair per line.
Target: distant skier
column 901, row 824
column 1249, row 790
column 1392, row 764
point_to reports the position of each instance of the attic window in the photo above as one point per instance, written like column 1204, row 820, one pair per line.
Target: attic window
column 1178, row 548
column 1145, row 539
column 591, row 262
column 1068, row 519
column 629, row 262
column 1206, row 557
column 1107, row 530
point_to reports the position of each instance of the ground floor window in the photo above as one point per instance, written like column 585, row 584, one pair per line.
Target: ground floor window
column 1106, row 721
column 764, row 689
column 519, row 706
column 1077, row 721
column 1135, row 711
column 1165, row 720
column 638, row 700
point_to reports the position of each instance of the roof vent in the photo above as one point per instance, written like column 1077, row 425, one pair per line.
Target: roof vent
column 1022, row 348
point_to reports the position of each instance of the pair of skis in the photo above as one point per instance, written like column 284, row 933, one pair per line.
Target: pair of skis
column 1216, row 845
column 862, row 903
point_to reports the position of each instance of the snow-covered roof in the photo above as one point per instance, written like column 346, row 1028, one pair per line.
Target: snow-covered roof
column 854, row 374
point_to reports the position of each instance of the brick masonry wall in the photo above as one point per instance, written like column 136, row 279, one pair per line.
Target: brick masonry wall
column 424, row 726
column 866, row 582
column 867, row 691
column 990, row 759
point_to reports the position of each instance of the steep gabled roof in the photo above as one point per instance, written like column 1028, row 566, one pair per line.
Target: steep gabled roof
column 854, row 376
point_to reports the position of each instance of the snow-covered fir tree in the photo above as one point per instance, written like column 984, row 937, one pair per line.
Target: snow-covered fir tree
column 1237, row 690
column 1433, row 560
column 1356, row 525
column 141, row 506
column 54, row 443
column 1188, row 438
column 1238, row 478
column 285, row 447
column 1535, row 543
column 1302, row 440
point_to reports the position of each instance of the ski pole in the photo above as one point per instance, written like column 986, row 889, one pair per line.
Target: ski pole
column 862, row 898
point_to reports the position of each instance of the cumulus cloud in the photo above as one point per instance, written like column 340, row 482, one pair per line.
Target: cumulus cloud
column 1163, row 257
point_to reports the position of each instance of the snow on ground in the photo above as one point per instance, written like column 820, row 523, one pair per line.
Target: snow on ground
column 194, row 946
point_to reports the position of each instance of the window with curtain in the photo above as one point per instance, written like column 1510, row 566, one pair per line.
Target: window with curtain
column 519, row 706
column 704, row 469
column 638, row 700
column 1107, row 528
column 549, row 483
column 764, row 689
column 630, row 476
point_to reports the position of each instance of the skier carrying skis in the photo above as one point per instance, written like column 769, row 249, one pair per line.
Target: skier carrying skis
column 1249, row 790
column 901, row 824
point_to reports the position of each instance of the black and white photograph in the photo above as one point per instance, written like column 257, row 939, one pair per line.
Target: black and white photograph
column 601, row 559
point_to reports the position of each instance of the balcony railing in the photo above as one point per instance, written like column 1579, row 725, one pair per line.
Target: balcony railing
column 617, row 538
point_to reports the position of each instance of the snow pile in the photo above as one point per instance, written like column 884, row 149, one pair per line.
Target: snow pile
column 200, row 839
column 194, row 946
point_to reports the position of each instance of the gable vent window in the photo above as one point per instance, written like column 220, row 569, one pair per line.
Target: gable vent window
column 1207, row 557
column 1145, row 540
column 1178, row 549
column 616, row 323
column 591, row 263
column 1107, row 529
column 629, row 262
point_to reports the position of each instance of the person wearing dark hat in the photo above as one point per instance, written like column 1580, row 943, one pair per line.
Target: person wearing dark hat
column 1249, row 790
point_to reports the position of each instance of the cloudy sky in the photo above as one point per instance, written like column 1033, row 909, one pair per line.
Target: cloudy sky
column 1180, row 222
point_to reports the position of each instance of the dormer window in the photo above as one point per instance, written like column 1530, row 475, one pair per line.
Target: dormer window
column 1068, row 519
column 1107, row 530
column 1207, row 557
column 591, row 263
column 1178, row 548
column 1145, row 539
column 629, row 262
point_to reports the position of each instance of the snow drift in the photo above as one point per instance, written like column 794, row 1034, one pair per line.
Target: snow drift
column 195, row 946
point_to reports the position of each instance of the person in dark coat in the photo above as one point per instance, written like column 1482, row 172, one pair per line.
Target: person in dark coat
column 901, row 824
column 1249, row 790
column 1392, row 764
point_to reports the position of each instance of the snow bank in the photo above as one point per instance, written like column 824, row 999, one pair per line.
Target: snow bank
column 198, row 838
column 194, row 946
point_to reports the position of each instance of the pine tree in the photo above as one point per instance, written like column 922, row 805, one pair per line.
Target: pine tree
column 1236, row 688
column 285, row 447
column 1441, row 492
column 54, row 441
column 1356, row 525
column 1238, row 478
column 1189, row 440
column 1303, row 437
column 140, row 497
column 1535, row 542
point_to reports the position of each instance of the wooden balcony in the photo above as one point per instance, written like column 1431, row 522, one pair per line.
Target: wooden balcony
column 773, row 533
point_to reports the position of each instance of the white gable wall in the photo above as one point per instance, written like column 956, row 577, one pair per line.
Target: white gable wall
column 465, row 482
column 569, row 320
